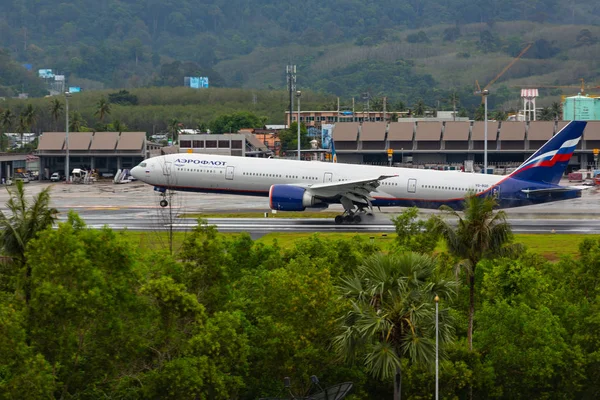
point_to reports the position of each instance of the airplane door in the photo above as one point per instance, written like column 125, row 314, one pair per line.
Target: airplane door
column 412, row 186
column 166, row 168
column 328, row 177
column 229, row 173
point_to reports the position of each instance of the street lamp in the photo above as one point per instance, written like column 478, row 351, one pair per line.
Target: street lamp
column 298, row 94
column 485, row 94
column 437, row 369
column 67, row 95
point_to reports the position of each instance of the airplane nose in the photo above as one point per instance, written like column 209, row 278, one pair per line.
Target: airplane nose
column 136, row 172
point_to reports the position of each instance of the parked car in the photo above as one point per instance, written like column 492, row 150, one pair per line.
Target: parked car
column 56, row 177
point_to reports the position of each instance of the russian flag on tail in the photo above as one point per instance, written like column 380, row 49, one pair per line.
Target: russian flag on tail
column 548, row 164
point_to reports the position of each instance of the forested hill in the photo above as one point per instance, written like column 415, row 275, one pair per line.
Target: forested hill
column 239, row 43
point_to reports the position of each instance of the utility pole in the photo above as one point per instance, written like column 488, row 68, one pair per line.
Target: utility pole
column 290, row 71
column 67, row 174
column 298, row 94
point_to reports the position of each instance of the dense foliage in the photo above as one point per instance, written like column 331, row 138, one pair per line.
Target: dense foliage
column 401, row 49
column 229, row 318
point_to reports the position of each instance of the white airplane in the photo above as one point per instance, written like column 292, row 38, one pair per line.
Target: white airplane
column 297, row 185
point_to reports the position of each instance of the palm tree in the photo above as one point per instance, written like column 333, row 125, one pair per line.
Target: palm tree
column 56, row 110
column 75, row 122
column 102, row 109
column 6, row 121
column 556, row 109
column 419, row 108
column 23, row 222
column 480, row 232
column 392, row 314
column 22, row 127
column 27, row 119
column 118, row 126
column 173, row 127
column 546, row 114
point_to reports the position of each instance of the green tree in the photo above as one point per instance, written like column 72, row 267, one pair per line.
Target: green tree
column 454, row 99
column 86, row 316
column 234, row 122
column 76, row 122
column 173, row 127
column 488, row 42
column 546, row 114
column 6, row 122
column 103, row 109
column 480, row 113
column 117, row 126
column 392, row 314
column 291, row 310
column 27, row 119
column 419, row 37
column 556, row 109
column 480, row 232
column 415, row 234
column 26, row 219
column 25, row 374
column 56, row 110
column 289, row 137
column 419, row 108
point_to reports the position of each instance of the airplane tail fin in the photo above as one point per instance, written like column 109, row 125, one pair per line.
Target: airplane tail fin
column 548, row 164
column 333, row 153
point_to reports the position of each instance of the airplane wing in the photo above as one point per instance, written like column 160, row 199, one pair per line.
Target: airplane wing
column 355, row 190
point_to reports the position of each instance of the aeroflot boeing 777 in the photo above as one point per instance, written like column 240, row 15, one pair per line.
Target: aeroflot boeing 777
column 296, row 185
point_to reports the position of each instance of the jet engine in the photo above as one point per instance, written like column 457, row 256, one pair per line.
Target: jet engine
column 292, row 198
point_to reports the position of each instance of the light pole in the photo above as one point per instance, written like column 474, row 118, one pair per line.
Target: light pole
column 67, row 95
column 437, row 369
column 485, row 94
column 298, row 94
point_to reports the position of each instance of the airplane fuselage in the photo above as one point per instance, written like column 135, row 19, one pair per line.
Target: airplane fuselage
column 407, row 187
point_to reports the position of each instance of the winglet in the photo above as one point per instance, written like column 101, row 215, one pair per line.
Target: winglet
column 548, row 164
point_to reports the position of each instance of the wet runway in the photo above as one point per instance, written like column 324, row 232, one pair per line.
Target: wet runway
column 134, row 206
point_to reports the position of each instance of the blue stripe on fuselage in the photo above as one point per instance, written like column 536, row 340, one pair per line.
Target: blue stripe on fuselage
column 509, row 191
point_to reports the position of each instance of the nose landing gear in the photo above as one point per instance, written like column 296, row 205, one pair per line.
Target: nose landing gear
column 163, row 193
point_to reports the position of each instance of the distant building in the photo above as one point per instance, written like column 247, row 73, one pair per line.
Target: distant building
column 104, row 151
column 429, row 144
column 230, row 144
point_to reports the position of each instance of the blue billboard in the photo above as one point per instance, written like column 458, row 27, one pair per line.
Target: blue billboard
column 196, row 82
column 74, row 89
column 45, row 73
column 326, row 135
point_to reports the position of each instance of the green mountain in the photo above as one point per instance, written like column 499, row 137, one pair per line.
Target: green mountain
column 405, row 50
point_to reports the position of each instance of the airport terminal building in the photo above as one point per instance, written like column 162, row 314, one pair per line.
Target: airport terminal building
column 450, row 142
column 104, row 151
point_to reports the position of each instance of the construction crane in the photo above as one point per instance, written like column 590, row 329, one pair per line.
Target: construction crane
column 581, row 87
column 479, row 90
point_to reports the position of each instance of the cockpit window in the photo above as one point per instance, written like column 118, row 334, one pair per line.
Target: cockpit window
column 143, row 165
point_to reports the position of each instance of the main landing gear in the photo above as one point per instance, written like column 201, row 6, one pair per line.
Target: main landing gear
column 348, row 218
column 352, row 217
